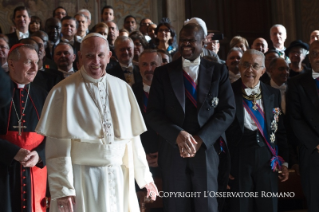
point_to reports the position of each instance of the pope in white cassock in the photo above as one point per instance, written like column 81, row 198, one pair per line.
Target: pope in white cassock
column 93, row 150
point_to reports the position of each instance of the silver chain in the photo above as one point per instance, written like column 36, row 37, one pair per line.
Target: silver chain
column 24, row 105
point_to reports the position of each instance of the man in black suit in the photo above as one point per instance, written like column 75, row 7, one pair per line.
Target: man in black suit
column 21, row 20
column 148, row 61
column 190, row 106
column 64, row 58
column 254, row 137
column 53, row 29
column 125, row 69
column 302, row 109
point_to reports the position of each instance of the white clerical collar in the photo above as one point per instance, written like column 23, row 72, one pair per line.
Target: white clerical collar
column 315, row 75
column 146, row 88
column 274, row 85
column 20, row 85
column 22, row 35
column 188, row 63
column 254, row 90
column 88, row 77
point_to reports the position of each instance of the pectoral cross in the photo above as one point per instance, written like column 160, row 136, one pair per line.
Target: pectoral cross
column 19, row 127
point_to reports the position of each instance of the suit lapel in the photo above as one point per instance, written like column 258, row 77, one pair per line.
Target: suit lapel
column 268, row 103
column 239, row 103
column 310, row 89
column 204, row 82
column 177, row 82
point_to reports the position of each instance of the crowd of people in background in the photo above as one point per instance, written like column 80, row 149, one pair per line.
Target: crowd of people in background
column 286, row 75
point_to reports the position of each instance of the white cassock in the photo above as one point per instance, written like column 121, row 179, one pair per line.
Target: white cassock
column 93, row 148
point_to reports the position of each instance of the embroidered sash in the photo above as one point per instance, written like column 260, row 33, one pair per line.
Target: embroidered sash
column 259, row 119
column 190, row 88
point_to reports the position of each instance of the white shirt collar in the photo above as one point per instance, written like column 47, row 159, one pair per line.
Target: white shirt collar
column 233, row 77
column 191, row 68
column 274, row 85
column 124, row 66
column 187, row 63
column 315, row 74
column 22, row 35
column 254, row 90
column 20, row 85
column 146, row 88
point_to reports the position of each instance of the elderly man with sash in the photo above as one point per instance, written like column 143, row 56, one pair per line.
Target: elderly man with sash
column 93, row 150
column 256, row 138
column 23, row 174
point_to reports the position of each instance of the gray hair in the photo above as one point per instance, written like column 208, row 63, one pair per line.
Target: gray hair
column 255, row 52
column 235, row 49
column 274, row 61
column 81, row 14
column 121, row 39
column 150, row 51
column 82, row 11
column 65, row 44
column 278, row 25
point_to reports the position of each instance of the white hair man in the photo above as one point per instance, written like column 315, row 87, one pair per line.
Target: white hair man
column 96, row 138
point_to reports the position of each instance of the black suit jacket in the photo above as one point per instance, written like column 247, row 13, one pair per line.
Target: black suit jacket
column 13, row 38
column 303, row 112
column 271, row 98
column 149, row 138
column 166, row 111
column 118, row 72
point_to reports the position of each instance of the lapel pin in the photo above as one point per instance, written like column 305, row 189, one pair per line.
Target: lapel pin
column 215, row 102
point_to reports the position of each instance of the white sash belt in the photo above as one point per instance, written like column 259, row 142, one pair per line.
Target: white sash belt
column 95, row 154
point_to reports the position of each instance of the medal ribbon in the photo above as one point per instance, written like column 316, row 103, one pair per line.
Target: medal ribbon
column 259, row 119
column 190, row 88
column 145, row 100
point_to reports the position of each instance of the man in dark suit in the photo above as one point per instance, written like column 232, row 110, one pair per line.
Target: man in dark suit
column 256, row 137
column 190, row 106
column 148, row 61
column 53, row 29
column 302, row 109
column 125, row 69
column 21, row 20
column 64, row 58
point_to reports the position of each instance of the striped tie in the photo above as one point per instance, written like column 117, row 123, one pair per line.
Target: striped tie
column 190, row 88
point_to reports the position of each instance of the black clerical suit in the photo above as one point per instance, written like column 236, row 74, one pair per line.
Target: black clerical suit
column 117, row 71
column 303, row 111
column 5, row 88
column 169, row 112
column 250, row 156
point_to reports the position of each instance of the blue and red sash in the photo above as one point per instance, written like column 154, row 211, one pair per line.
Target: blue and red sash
column 259, row 119
column 317, row 84
column 145, row 100
column 190, row 88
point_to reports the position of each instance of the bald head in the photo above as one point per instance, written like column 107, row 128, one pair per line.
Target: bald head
column 260, row 44
column 314, row 36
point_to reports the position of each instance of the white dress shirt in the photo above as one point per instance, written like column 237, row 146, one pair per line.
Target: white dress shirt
column 67, row 73
column 146, row 88
column 282, row 89
column 191, row 68
column 22, row 35
column 248, row 121
column 233, row 77
column 315, row 74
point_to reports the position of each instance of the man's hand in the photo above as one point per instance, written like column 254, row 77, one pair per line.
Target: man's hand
column 152, row 159
column 22, row 155
column 284, row 174
column 186, row 144
column 231, row 178
column 31, row 159
column 152, row 191
column 65, row 204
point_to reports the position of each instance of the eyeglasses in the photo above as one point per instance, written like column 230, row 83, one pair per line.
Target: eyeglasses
column 254, row 66
column 4, row 47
